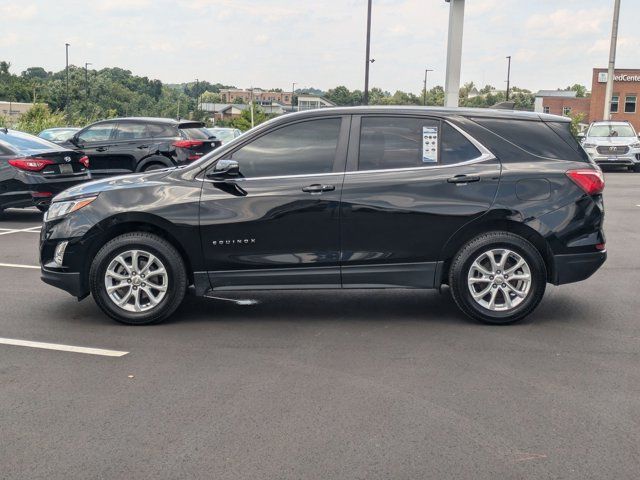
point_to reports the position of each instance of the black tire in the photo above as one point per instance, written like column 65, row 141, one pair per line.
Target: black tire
column 636, row 168
column 43, row 208
column 461, row 266
column 165, row 252
column 150, row 167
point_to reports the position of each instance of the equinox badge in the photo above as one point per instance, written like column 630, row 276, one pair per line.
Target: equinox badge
column 239, row 241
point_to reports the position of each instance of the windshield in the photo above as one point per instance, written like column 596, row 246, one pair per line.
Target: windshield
column 58, row 135
column 28, row 144
column 612, row 131
column 223, row 134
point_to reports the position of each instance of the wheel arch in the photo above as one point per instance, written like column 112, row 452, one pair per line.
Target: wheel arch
column 472, row 230
column 112, row 227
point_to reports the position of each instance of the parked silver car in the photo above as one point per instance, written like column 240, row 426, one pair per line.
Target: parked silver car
column 613, row 143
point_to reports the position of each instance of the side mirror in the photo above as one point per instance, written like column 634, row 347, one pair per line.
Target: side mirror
column 75, row 140
column 224, row 169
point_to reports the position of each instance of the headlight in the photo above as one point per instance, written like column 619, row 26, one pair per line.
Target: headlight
column 589, row 145
column 635, row 145
column 60, row 209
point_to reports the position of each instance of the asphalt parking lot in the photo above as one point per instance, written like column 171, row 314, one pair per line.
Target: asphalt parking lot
column 371, row 384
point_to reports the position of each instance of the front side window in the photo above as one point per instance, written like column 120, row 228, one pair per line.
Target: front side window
column 406, row 142
column 131, row 131
column 615, row 100
column 630, row 104
column 97, row 133
column 298, row 149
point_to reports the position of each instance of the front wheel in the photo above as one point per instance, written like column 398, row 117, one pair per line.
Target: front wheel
column 498, row 278
column 138, row 278
column 636, row 168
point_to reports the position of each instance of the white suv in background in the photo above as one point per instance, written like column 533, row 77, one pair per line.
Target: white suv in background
column 613, row 143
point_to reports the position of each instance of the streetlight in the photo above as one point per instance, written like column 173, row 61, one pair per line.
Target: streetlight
column 365, row 98
column 426, row 70
column 508, row 76
column 66, row 46
column 86, row 82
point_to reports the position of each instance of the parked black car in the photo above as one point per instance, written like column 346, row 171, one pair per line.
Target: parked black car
column 493, row 203
column 33, row 170
column 125, row 145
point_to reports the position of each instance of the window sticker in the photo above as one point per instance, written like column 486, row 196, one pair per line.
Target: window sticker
column 429, row 144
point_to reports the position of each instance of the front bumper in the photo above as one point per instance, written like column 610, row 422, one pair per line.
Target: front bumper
column 68, row 281
column 576, row 267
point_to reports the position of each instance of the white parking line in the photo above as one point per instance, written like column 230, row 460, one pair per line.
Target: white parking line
column 17, row 265
column 63, row 348
column 7, row 231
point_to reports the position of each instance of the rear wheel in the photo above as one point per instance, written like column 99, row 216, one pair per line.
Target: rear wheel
column 154, row 166
column 138, row 278
column 498, row 278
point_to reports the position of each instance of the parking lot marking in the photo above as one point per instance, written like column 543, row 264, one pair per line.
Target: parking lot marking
column 7, row 231
column 17, row 265
column 63, row 348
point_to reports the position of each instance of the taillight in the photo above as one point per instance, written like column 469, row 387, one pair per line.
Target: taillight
column 591, row 181
column 188, row 143
column 84, row 161
column 30, row 164
column 41, row 194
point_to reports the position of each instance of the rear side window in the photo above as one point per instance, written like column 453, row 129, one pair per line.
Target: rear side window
column 534, row 137
column 131, row 131
column 161, row 131
column 564, row 131
column 407, row 142
column 298, row 149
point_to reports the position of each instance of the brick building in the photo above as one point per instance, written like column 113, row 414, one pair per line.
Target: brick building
column 624, row 101
column 231, row 95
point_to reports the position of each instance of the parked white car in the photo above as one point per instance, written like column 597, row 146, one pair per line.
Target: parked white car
column 613, row 143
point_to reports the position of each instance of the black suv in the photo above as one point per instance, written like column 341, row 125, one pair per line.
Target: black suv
column 125, row 145
column 493, row 203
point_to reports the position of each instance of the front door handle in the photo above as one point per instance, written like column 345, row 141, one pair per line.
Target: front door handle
column 143, row 146
column 318, row 188
column 102, row 149
column 464, row 179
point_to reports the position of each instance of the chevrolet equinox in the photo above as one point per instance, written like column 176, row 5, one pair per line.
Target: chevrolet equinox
column 495, row 204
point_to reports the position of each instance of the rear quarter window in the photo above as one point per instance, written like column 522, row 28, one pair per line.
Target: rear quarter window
column 196, row 133
column 535, row 137
column 162, row 131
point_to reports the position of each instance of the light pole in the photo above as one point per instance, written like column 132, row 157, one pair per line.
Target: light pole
column 454, row 53
column 426, row 71
column 86, row 82
column 365, row 98
column 293, row 92
column 612, row 61
column 66, row 103
column 508, row 76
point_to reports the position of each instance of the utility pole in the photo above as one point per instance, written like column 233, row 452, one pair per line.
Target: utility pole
column 197, row 94
column 86, row 83
column 508, row 76
column 251, row 108
column 365, row 98
column 454, row 53
column 66, row 103
column 426, row 71
column 612, row 61
column 293, row 92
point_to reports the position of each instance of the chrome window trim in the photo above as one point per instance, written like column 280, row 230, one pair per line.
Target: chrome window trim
column 485, row 155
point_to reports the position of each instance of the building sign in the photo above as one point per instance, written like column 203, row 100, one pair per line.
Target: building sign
column 623, row 77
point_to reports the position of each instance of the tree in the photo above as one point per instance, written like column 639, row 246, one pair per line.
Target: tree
column 581, row 90
column 243, row 122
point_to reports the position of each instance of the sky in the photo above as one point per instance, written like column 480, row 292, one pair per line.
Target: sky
column 320, row 43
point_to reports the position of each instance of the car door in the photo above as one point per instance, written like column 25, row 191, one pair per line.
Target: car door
column 411, row 183
column 131, row 143
column 277, row 224
column 96, row 141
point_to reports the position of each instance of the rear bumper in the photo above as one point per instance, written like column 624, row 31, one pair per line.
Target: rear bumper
column 67, row 281
column 576, row 267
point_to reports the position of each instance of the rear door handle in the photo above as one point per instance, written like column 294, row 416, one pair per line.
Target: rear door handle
column 318, row 188
column 102, row 149
column 464, row 179
column 143, row 146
